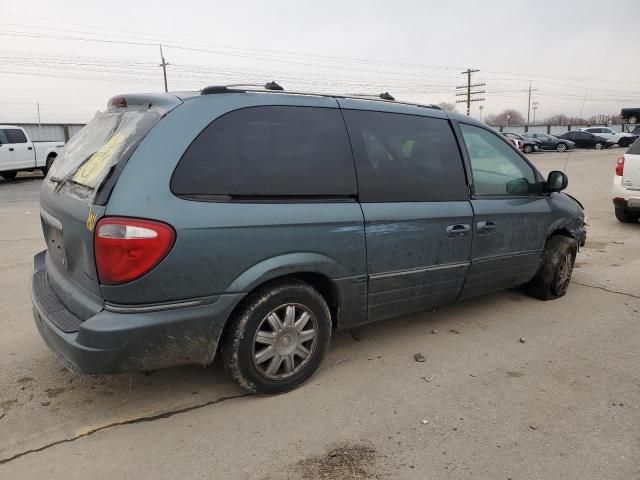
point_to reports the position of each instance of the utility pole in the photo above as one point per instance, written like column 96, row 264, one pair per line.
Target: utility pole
column 465, row 90
column 529, row 102
column 534, row 105
column 39, row 126
column 164, row 69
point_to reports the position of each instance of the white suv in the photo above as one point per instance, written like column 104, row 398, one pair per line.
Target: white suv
column 626, row 186
column 621, row 138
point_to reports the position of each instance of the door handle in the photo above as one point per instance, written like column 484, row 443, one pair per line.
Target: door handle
column 486, row 227
column 458, row 230
column 29, row 148
column 11, row 149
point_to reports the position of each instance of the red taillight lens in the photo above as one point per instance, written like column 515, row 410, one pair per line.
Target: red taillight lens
column 128, row 248
column 620, row 166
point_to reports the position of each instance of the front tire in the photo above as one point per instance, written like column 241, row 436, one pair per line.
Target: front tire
column 561, row 147
column 624, row 142
column 528, row 149
column 625, row 216
column 599, row 146
column 554, row 275
column 278, row 338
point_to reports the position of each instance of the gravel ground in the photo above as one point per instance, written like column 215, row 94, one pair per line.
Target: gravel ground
column 562, row 403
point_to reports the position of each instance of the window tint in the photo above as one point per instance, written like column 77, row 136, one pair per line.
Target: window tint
column 269, row 151
column 15, row 135
column 497, row 169
column 405, row 158
column 583, row 135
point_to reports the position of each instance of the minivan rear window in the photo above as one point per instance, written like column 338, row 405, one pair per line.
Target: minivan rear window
column 269, row 151
column 100, row 145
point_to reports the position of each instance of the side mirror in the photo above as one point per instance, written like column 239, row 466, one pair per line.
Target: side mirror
column 557, row 181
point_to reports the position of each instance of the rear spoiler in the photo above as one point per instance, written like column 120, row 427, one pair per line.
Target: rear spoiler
column 145, row 100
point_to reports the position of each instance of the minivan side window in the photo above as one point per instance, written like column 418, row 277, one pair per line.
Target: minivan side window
column 496, row 168
column 405, row 158
column 15, row 135
column 269, row 151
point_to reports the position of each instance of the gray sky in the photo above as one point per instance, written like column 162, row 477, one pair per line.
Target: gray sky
column 413, row 49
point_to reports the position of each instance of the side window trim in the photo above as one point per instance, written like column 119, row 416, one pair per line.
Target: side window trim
column 468, row 169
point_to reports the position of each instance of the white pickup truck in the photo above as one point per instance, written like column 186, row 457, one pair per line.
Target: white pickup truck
column 19, row 153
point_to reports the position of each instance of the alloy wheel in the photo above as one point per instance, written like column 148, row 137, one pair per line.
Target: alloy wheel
column 563, row 274
column 284, row 341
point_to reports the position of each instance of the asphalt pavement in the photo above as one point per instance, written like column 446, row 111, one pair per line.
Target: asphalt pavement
column 511, row 387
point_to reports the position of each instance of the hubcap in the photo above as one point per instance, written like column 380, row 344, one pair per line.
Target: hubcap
column 284, row 341
column 563, row 275
column 562, row 147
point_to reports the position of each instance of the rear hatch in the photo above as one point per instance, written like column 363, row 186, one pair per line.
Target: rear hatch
column 631, row 173
column 77, row 188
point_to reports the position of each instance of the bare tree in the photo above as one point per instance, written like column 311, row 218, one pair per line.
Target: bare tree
column 507, row 117
column 447, row 107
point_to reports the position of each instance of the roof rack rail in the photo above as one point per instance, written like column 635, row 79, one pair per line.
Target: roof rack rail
column 274, row 87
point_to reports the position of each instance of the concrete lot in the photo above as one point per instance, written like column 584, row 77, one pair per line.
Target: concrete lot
column 563, row 405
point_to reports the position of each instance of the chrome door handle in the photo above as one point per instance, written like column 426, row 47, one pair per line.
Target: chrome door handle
column 458, row 230
column 486, row 227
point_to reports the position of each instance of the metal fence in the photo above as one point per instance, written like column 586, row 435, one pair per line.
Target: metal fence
column 56, row 132
column 551, row 129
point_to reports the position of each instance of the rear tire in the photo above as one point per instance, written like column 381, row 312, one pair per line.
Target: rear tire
column 8, row 175
column 48, row 164
column 599, row 146
column 554, row 275
column 265, row 355
column 625, row 216
column 561, row 147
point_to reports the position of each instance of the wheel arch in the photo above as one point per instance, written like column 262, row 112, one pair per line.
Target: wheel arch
column 318, row 271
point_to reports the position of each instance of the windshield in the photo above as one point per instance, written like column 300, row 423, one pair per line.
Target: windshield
column 93, row 151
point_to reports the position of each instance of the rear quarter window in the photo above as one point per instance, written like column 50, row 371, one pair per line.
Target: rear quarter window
column 269, row 151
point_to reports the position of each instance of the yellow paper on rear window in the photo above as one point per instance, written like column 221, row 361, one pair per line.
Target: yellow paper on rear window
column 93, row 169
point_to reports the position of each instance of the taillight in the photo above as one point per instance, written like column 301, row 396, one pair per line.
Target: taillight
column 620, row 166
column 128, row 248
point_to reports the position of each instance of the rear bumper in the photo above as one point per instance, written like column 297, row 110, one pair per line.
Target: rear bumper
column 138, row 340
column 625, row 197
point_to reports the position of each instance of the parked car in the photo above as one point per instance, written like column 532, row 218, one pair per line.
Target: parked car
column 631, row 115
column 528, row 145
column 516, row 143
column 586, row 140
column 621, row 138
column 19, row 153
column 549, row 142
column 626, row 186
column 259, row 223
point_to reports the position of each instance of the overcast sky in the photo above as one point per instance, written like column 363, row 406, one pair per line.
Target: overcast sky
column 72, row 55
